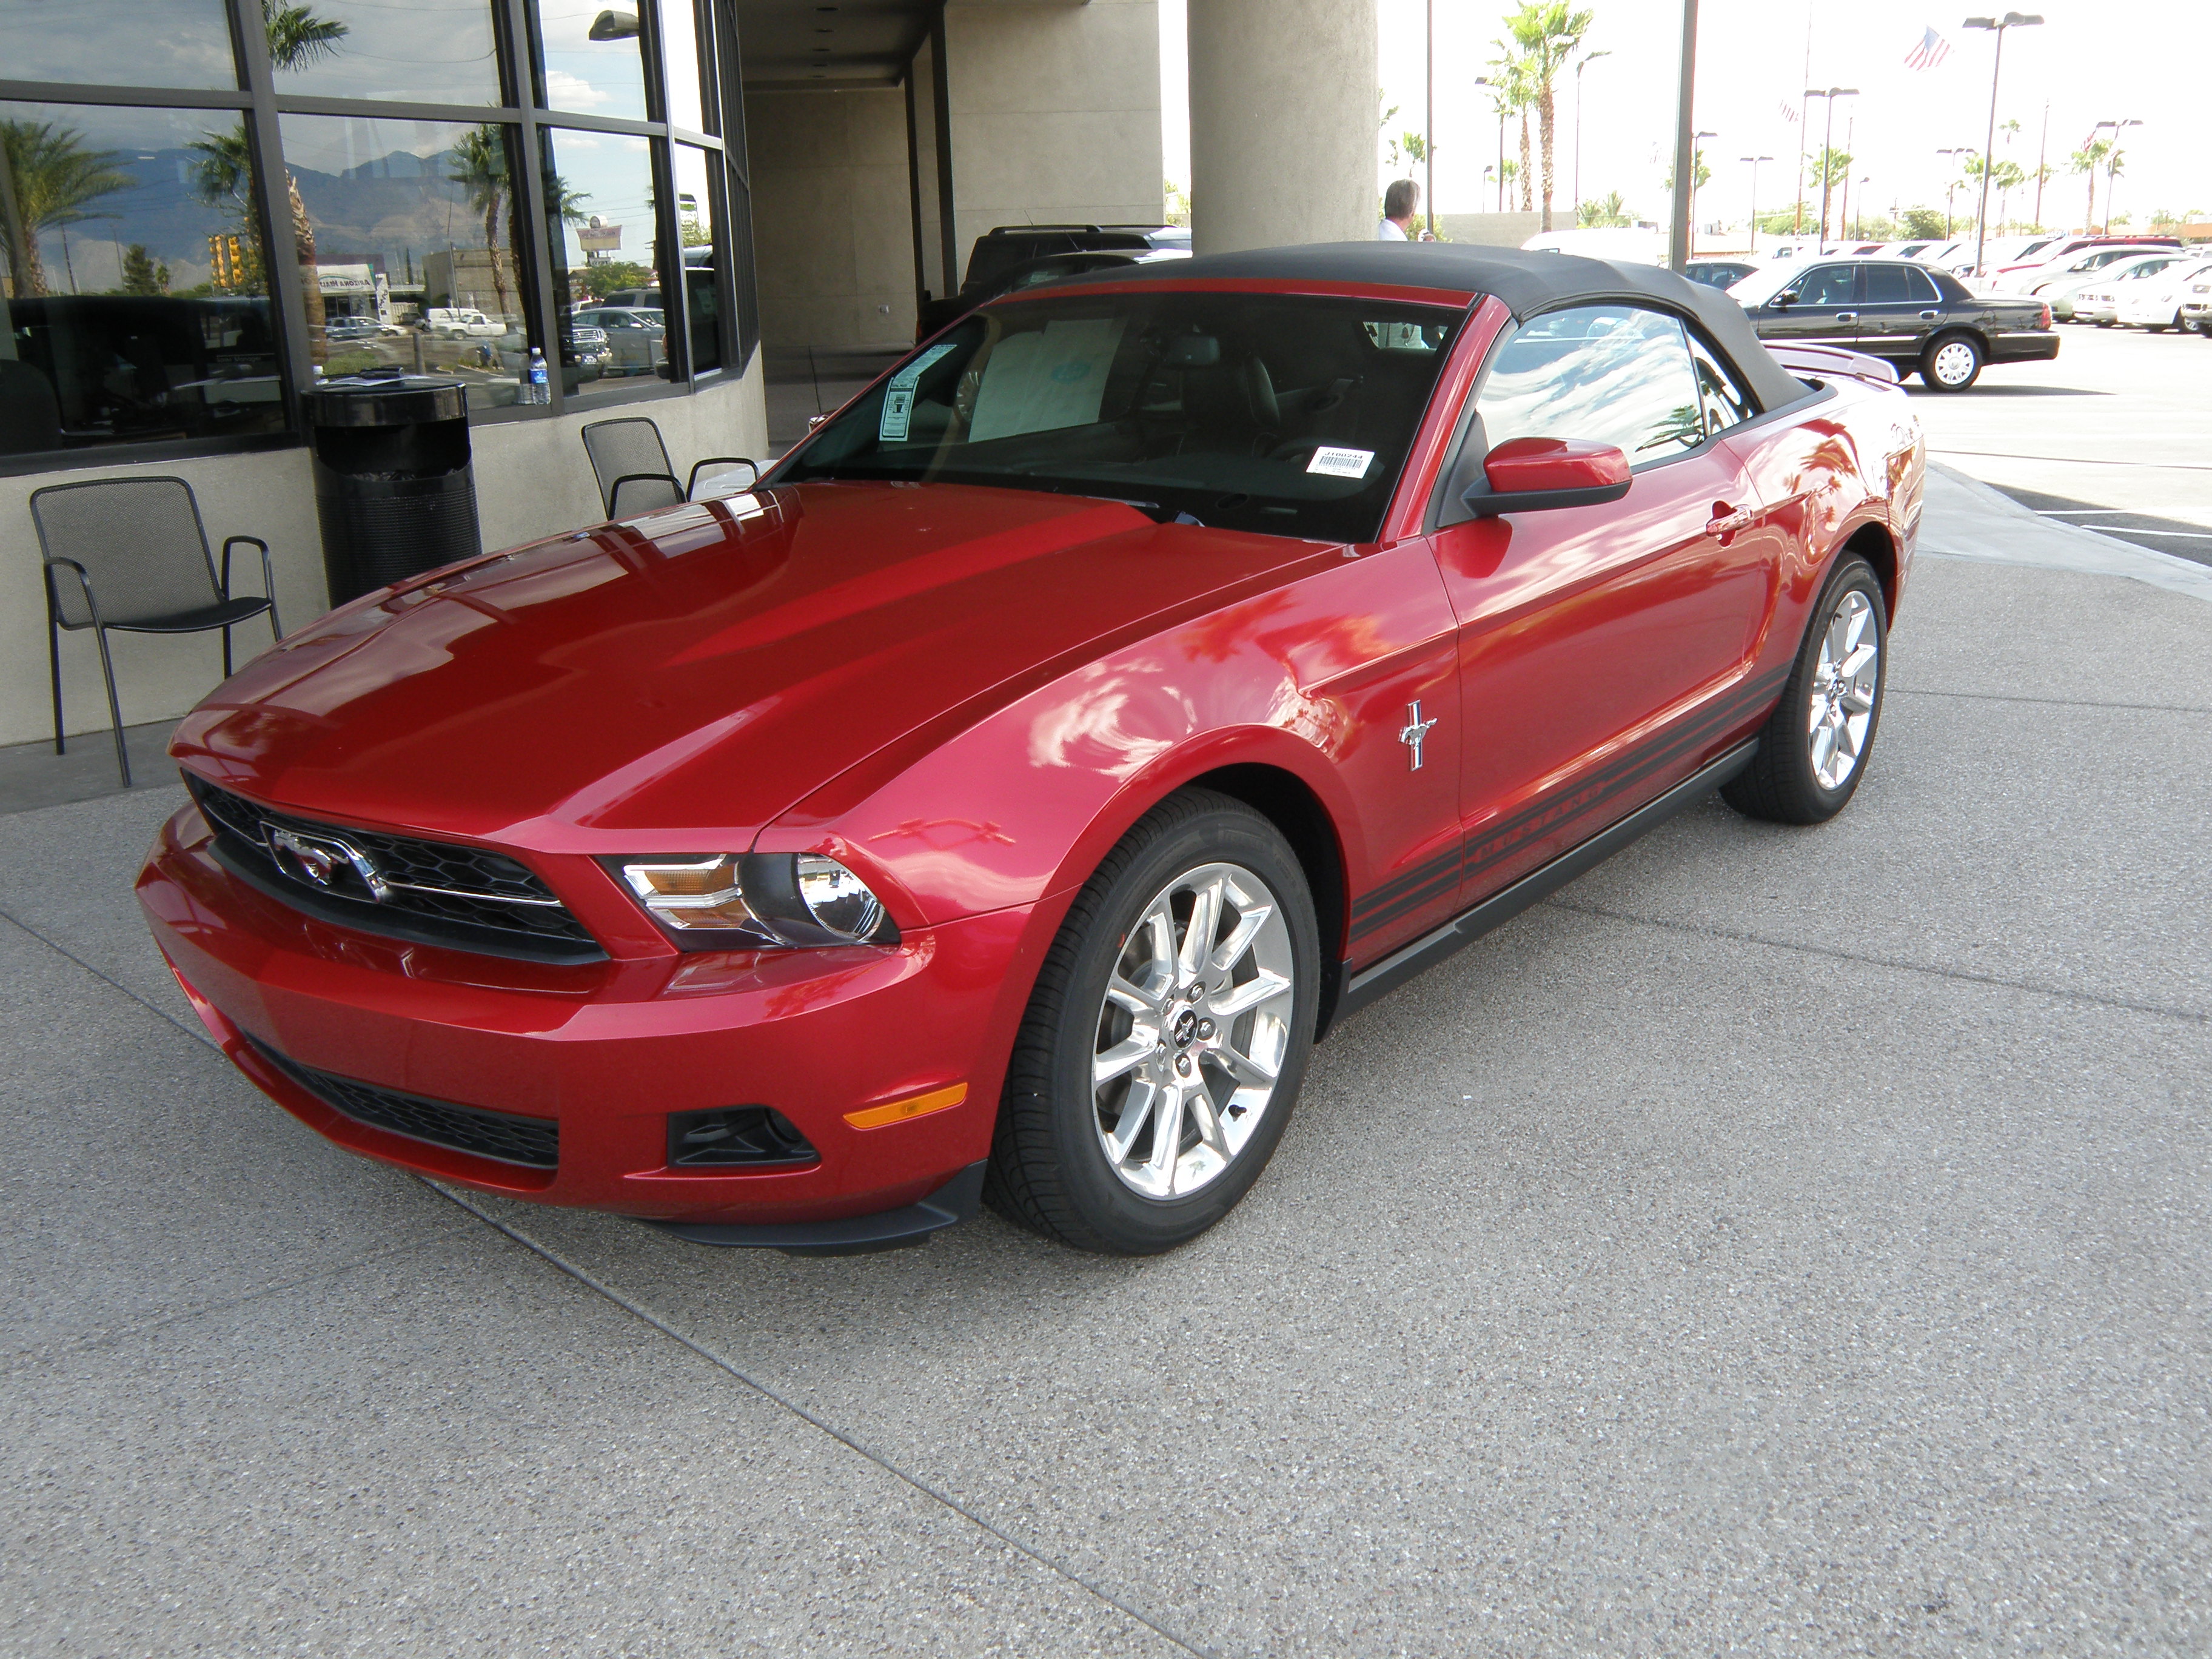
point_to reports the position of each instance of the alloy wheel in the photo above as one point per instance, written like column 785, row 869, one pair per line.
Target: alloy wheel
column 1843, row 686
column 1193, row 1030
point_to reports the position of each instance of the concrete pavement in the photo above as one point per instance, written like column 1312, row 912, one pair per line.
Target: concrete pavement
column 1784, row 1242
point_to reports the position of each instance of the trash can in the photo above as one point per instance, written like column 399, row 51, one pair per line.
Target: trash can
column 394, row 487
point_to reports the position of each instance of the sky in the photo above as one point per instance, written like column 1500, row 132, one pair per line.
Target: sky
column 2118, row 59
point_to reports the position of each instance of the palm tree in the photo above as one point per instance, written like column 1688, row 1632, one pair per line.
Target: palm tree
column 1515, row 93
column 1545, row 37
column 48, row 180
column 2088, row 159
column 480, row 168
column 298, row 38
column 222, row 177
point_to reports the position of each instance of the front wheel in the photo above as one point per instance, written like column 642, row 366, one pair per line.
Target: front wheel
column 1167, row 1036
column 1951, row 363
column 1814, row 747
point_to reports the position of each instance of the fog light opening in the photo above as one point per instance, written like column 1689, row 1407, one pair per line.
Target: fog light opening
column 752, row 1136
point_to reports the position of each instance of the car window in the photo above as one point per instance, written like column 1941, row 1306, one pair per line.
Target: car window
column 1611, row 374
column 1920, row 288
column 1290, row 414
column 1828, row 286
column 1885, row 285
column 1721, row 396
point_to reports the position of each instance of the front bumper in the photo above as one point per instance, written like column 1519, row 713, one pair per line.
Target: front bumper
column 607, row 1050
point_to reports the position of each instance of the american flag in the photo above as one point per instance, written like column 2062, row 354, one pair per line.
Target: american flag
column 1788, row 113
column 1932, row 50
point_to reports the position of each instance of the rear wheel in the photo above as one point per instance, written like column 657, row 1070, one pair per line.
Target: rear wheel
column 1815, row 745
column 1951, row 363
column 1167, row 1036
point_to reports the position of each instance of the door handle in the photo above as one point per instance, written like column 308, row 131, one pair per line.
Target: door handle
column 1727, row 520
column 1847, row 316
column 1930, row 316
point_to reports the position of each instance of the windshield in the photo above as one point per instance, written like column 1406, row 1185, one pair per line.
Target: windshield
column 1764, row 284
column 1255, row 411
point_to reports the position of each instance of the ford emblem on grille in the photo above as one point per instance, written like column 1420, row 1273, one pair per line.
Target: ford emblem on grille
column 326, row 863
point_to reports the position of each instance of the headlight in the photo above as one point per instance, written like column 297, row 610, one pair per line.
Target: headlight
column 736, row 902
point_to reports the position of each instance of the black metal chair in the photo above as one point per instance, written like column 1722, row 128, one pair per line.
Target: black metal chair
column 130, row 554
column 632, row 465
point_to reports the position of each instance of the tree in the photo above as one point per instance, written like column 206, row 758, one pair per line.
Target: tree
column 1546, row 36
column 142, row 273
column 480, row 168
column 2088, row 159
column 298, row 38
column 1923, row 221
column 1594, row 215
column 222, row 178
column 55, row 180
column 1513, row 94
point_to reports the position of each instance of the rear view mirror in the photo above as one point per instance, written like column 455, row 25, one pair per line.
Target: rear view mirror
column 1527, row 475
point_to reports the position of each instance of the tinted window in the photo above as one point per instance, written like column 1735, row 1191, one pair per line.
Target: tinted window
column 136, row 300
column 430, row 51
column 591, row 58
column 1613, row 374
column 604, row 234
column 1886, row 285
column 1920, row 287
column 123, row 43
column 1829, row 287
column 1263, row 412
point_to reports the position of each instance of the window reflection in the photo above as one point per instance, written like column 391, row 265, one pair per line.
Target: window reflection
column 118, row 43
column 591, row 57
column 133, row 293
column 680, row 45
column 430, row 51
column 700, row 231
column 1612, row 374
column 604, row 229
column 407, row 249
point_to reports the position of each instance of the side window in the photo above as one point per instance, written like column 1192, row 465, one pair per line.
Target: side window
column 1720, row 395
column 1886, row 285
column 1830, row 287
column 1613, row 374
column 1920, row 287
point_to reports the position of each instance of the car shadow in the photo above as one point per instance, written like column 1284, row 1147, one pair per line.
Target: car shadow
column 1984, row 389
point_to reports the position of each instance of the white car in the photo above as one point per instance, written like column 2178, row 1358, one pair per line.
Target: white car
column 460, row 323
column 2074, row 263
column 2156, row 302
column 2196, row 306
column 2098, row 301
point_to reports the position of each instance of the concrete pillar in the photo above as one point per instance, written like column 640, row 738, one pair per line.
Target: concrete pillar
column 1282, row 123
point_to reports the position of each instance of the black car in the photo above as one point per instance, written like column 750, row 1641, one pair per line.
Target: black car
column 1719, row 273
column 1028, row 274
column 1913, row 316
column 999, row 254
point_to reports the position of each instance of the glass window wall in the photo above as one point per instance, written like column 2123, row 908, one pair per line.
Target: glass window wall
column 591, row 58
column 603, row 226
column 134, row 298
column 680, row 45
column 422, row 51
column 698, row 227
column 118, row 43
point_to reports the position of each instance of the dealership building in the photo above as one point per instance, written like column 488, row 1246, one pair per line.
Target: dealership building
column 207, row 207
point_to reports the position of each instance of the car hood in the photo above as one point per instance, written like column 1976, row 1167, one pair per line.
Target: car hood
column 703, row 667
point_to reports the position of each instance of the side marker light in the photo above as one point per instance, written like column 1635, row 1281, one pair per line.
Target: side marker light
column 898, row 1111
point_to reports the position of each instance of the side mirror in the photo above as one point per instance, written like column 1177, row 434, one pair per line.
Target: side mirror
column 1527, row 475
column 1783, row 300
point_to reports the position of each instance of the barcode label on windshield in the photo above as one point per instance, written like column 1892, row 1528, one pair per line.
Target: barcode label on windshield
column 1341, row 462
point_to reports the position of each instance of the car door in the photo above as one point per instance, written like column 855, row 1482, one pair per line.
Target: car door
column 1821, row 307
column 1597, row 644
column 1898, row 309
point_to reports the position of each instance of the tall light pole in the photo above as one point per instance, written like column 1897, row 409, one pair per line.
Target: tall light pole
column 1581, row 63
column 1754, row 161
column 2112, row 167
column 2042, row 163
column 1686, row 144
column 1429, row 124
column 2011, row 19
column 1696, row 139
column 1828, row 148
column 1951, row 187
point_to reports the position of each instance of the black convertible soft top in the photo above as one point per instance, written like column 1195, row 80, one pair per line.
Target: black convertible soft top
column 1527, row 283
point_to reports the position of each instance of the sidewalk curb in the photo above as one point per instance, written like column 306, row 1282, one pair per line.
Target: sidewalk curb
column 1990, row 526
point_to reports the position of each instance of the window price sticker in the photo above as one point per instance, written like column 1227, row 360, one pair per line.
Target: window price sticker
column 898, row 397
column 1341, row 462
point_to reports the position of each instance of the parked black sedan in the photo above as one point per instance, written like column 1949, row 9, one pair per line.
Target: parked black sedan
column 1912, row 315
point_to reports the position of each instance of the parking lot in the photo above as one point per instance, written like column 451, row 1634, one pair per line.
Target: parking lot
column 1782, row 1242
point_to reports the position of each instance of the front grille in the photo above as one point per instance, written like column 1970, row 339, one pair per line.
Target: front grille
column 466, row 897
column 533, row 1142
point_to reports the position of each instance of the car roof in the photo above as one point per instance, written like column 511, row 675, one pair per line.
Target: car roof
column 1525, row 282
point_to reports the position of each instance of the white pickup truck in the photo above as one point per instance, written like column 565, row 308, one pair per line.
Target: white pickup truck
column 458, row 323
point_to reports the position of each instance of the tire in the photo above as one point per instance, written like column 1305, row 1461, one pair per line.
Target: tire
column 1052, row 1170
column 1951, row 362
column 1792, row 780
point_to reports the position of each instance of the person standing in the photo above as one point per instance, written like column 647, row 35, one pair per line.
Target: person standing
column 1401, row 203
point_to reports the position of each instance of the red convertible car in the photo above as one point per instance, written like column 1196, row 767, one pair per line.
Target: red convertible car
column 1000, row 799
